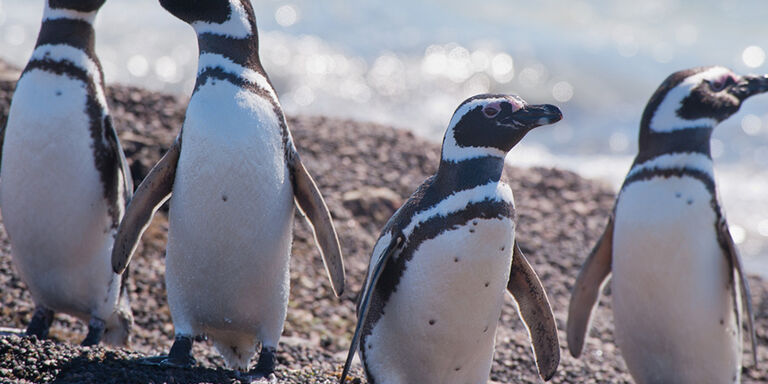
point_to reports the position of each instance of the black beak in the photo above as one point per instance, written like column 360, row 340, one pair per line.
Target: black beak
column 749, row 86
column 532, row 116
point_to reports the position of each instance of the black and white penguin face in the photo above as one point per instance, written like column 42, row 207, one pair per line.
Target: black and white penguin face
column 77, row 5
column 492, row 124
column 699, row 97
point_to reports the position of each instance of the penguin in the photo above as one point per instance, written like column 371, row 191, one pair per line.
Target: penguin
column 435, row 286
column 677, row 283
column 64, row 180
column 233, row 176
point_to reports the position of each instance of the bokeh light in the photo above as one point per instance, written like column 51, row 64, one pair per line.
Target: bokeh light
column 753, row 56
column 286, row 15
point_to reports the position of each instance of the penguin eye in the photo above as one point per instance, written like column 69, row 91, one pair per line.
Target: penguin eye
column 720, row 84
column 490, row 111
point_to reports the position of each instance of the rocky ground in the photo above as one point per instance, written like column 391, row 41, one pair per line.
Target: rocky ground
column 365, row 171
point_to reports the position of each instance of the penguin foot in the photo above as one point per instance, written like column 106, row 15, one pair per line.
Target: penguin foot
column 180, row 355
column 153, row 361
column 95, row 332
column 183, row 362
column 267, row 362
column 40, row 323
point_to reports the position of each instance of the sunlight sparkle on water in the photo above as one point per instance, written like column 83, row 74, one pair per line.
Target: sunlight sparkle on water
column 503, row 68
column 165, row 69
column 138, row 65
column 751, row 124
column 738, row 233
column 753, row 56
column 562, row 91
column 286, row 15
column 762, row 227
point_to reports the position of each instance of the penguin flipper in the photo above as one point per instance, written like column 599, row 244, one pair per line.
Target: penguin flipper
column 117, row 149
column 593, row 275
column 153, row 191
column 732, row 253
column 365, row 300
column 2, row 141
column 311, row 203
column 536, row 313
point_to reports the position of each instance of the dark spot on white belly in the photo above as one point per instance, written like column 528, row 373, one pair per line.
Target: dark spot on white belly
column 678, row 195
column 690, row 201
column 474, row 222
column 432, row 322
column 485, row 329
column 503, row 248
column 487, row 283
column 455, row 259
column 224, row 197
column 58, row 93
column 457, row 369
column 722, row 322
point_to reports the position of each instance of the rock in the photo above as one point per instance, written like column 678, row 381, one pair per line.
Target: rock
column 365, row 172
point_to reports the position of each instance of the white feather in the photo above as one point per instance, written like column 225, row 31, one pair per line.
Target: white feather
column 66, row 53
column 236, row 26
column 671, row 290
column 439, row 325
column 666, row 118
column 63, row 13
column 696, row 161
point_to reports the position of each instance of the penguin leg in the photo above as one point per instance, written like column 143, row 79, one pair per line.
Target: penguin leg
column 264, row 367
column 267, row 361
column 40, row 323
column 95, row 331
column 180, row 355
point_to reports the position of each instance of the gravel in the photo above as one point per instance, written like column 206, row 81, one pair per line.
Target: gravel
column 365, row 172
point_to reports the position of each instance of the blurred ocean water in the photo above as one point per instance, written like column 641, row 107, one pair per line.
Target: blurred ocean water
column 409, row 63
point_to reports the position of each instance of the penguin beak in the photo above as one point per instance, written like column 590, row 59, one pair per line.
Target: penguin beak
column 750, row 85
column 532, row 116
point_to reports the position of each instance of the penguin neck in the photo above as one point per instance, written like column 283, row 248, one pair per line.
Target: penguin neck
column 680, row 151
column 236, row 39
column 470, row 173
column 68, row 27
column 653, row 143
column 241, row 51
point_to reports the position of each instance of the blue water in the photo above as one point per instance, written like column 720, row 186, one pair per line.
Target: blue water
column 408, row 63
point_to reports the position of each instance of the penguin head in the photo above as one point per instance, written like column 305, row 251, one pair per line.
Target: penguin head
column 699, row 98
column 490, row 125
column 85, row 6
column 207, row 11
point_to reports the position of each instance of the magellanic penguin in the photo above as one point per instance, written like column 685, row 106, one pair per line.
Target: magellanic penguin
column 433, row 295
column 676, row 273
column 234, row 175
column 65, row 182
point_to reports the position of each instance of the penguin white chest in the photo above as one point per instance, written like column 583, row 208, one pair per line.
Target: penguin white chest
column 53, row 201
column 439, row 324
column 672, row 288
column 231, row 217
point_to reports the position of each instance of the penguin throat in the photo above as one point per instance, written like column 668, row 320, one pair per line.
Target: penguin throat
column 52, row 13
column 471, row 172
column 694, row 140
column 241, row 23
column 72, row 32
column 241, row 51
